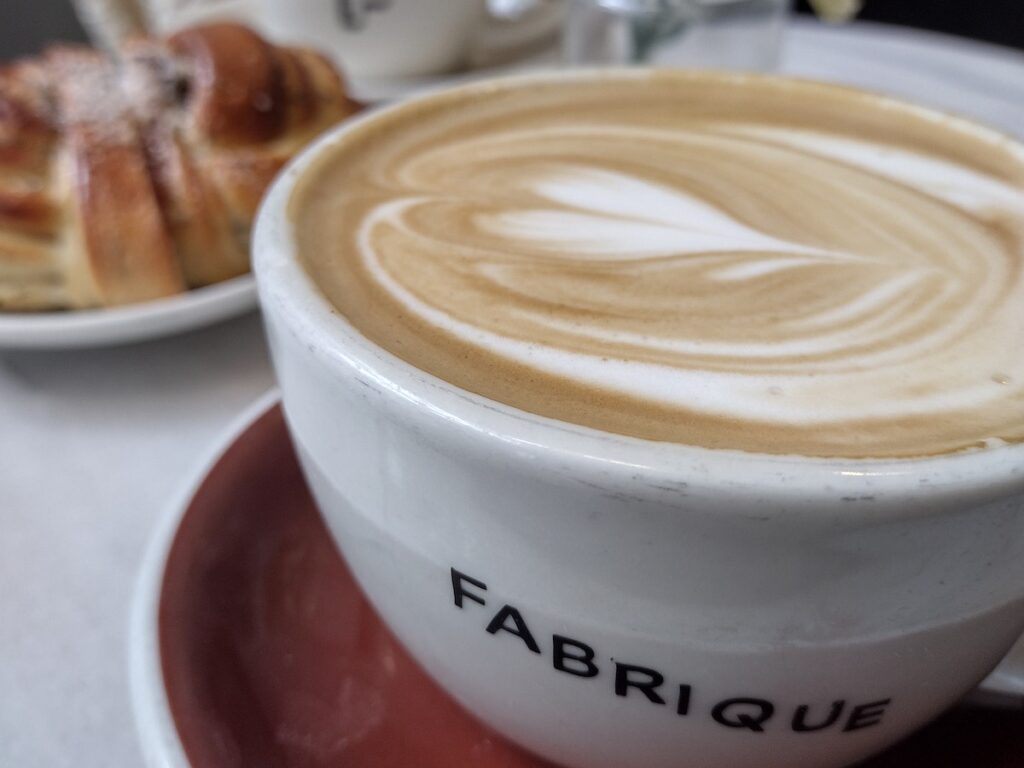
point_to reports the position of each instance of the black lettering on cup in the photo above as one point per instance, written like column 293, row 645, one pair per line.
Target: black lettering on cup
column 352, row 14
column 573, row 657
column 866, row 715
column 643, row 679
column 459, row 591
column 750, row 714
column 519, row 628
column 800, row 724
column 683, row 702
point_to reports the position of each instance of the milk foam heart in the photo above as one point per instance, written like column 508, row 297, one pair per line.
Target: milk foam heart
column 752, row 264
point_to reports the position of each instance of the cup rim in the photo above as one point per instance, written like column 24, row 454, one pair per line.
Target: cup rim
column 287, row 290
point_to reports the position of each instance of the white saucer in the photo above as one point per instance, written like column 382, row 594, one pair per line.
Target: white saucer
column 136, row 322
column 1007, row 682
column 210, row 681
column 161, row 745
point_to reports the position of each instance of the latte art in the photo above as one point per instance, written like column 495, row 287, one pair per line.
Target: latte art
column 756, row 265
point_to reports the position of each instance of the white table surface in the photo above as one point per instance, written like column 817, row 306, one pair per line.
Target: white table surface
column 93, row 444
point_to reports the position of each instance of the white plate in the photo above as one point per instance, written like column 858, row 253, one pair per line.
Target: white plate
column 158, row 734
column 134, row 322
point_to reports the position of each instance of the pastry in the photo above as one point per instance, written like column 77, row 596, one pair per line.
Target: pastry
column 132, row 178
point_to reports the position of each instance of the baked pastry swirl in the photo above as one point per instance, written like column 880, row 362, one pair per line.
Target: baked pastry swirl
column 132, row 178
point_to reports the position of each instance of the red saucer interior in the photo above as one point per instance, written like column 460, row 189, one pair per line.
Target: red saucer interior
column 271, row 656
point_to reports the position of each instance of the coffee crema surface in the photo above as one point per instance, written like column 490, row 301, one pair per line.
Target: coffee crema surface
column 741, row 263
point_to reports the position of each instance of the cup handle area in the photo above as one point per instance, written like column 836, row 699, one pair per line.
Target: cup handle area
column 514, row 10
column 516, row 28
column 1005, row 686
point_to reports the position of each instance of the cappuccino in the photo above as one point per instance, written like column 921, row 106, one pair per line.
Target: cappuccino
column 731, row 262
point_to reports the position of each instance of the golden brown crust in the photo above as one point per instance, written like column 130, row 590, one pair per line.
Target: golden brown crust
column 327, row 89
column 127, row 250
column 27, row 211
column 119, row 251
column 29, row 276
column 243, row 140
column 27, row 137
column 123, row 181
column 207, row 244
column 29, row 218
column 242, row 177
column 238, row 93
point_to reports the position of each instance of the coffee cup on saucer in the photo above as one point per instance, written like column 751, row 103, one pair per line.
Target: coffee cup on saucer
column 167, row 15
column 374, row 39
column 664, row 414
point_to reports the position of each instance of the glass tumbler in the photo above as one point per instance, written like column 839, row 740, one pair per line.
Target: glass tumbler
column 711, row 34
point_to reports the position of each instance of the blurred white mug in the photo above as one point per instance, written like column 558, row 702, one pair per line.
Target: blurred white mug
column 388, row 38
column 168, row 15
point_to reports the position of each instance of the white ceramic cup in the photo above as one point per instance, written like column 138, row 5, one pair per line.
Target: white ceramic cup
column 166, row 16
column 608, row 601
column 385, row 38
